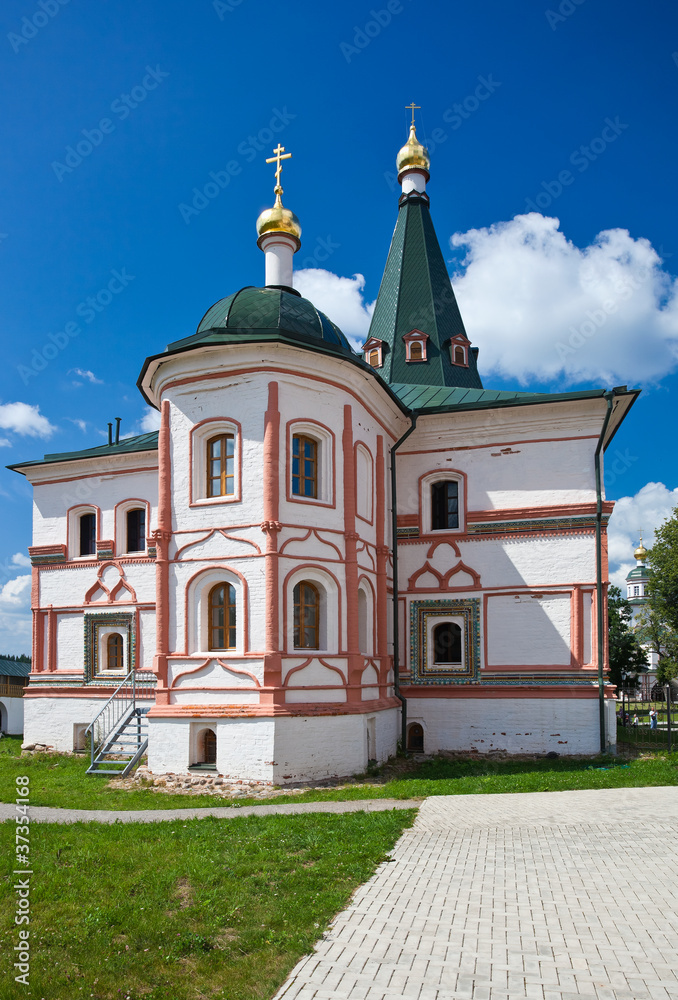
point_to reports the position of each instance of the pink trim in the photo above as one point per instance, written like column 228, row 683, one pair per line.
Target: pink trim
column 362, row 444
column 147, row 507
column 78, row 479
column 271, row 527
column 323, row 541
column 163, row 537
column 51, row 639
column 120, row 585
column 363, row 578
column 500, row 444
column 382, row 555
column 216, row 659
column 221, row 531
column 84, row 508
column 270, row 709
column 245, row 605
column 302, row 666
column 444, row 580
column 48, row 550
column 210, row 376
column 355, row 662
column 551, row 511
column 289, row 434
column 198, row 501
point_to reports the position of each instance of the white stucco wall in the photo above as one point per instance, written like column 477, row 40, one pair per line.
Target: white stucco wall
column 512, row 725
column 12, row 716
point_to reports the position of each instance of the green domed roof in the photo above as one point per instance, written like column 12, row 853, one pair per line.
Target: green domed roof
column 267, row 313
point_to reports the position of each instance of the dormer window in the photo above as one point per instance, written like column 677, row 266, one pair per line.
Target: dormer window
column 459, row 346
column 373, row 352
column 415, row 346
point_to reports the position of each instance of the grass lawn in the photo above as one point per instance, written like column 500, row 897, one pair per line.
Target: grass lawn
column 61, row 781
column 171, row 911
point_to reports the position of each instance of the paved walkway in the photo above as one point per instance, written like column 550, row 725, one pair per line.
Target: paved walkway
column 49, row 814
column 550, row 896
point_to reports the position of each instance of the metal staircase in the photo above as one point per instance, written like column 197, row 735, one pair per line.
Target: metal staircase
column 119, row 733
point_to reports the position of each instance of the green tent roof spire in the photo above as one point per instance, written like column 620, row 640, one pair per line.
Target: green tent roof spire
column 416, row 297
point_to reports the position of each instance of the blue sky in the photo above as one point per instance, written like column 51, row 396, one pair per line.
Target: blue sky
column 565, row 111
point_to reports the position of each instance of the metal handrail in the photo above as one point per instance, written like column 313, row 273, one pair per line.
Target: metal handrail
column 136, row 685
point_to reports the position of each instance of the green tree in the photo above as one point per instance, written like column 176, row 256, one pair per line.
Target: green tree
column 659, row 619
column 626, row 653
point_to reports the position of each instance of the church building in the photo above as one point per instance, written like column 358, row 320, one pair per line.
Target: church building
column 324, row 552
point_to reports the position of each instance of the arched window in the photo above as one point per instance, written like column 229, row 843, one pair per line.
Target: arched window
column 416, row 353
column 362, row 622
column 415, row 737
column 445, row 505
column 221, row 466
column 222, row 616
column 306, row 616
column 88, row 534
column 447, row 643
column 114, row 652
column 373, row 358
column 136, row 530
column 459, row 356
column 304, row 466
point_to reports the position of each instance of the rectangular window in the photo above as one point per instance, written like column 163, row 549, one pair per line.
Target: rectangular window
column 88, row 531
column 445, row 505
column 304, row 466
column 136, row 530
column 221, row 466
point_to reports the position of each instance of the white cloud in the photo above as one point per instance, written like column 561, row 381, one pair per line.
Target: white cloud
column 25, row 419
column 647, row 510
column 5, row 443
column 19, row 559
column 86, row 374
column 341, row 299
column 15, row 593
column 82, row 424
column 150, row 420
column 541, row 308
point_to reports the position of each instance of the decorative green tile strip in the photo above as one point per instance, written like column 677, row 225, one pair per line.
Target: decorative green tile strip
column 121, row 621
column 533, row 524
column 408, row 532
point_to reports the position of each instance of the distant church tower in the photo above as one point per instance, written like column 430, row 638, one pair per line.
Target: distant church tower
column 636, row 593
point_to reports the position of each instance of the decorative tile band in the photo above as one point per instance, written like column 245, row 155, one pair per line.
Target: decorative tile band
column 118, row 620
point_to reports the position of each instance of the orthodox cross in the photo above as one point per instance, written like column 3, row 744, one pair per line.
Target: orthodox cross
column 280, row 154
column 414, row 107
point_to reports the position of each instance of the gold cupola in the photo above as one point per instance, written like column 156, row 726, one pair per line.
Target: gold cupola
column 413, row 156
column 640, row 554
column 278, row 219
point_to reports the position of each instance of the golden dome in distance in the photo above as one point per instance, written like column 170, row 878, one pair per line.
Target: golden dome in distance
column 413, row 155
column 641, row 552
column 278, row 220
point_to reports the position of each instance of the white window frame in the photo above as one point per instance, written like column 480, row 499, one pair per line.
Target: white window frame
column 328, row 624
column 431, row 624
column 425, row 498
column 74, row 531
column 103, row 632
column 324, row 461
column 200, row 435
column 197, row 639
column 121, row 511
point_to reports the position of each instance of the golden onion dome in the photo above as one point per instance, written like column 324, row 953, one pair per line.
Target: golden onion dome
column 640, row 553
column 278, row 220
column 413, row 155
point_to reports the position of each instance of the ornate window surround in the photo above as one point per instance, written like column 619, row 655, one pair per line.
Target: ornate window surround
column 97, row 628
column 424, row 616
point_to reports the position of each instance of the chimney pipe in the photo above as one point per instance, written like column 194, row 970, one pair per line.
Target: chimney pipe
column 117, row 429
column 110, row 434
